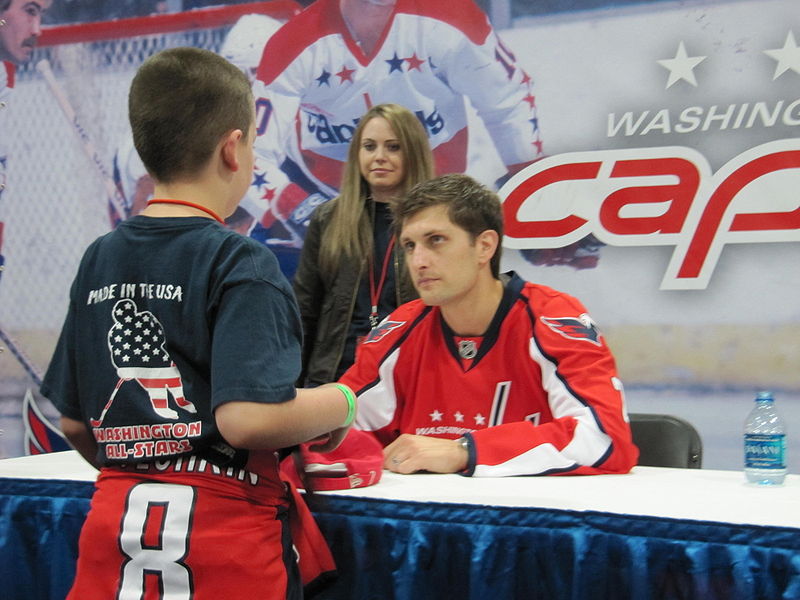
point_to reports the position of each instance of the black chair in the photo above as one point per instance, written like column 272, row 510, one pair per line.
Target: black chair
column 666, row 441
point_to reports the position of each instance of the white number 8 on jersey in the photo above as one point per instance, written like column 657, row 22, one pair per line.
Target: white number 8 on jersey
column 164, row 558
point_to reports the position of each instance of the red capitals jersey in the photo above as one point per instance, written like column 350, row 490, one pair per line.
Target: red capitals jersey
column 537, row 394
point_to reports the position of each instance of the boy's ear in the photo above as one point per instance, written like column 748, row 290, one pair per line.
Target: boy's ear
column 230, row 145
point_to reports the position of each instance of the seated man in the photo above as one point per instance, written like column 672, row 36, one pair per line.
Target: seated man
column 485, row 375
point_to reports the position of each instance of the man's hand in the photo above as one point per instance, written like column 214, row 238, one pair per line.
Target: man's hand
column 411, row 453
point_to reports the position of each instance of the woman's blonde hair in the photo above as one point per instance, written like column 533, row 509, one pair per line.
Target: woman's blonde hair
column 349, row 231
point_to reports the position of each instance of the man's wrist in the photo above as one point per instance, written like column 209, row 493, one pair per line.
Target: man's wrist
column 464, row 443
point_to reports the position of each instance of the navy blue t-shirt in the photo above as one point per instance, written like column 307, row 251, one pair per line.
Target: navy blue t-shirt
column 168, row 319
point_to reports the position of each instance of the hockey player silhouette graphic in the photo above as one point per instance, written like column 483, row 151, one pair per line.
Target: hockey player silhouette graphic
column 137, row 345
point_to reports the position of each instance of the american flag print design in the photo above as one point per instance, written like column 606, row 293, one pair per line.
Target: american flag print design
column 137, row 343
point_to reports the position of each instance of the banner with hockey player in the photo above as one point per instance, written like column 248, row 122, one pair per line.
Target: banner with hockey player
column 647, row 153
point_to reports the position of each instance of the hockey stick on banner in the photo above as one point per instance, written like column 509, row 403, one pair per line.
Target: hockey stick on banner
column 114, row 195
column 23, row 359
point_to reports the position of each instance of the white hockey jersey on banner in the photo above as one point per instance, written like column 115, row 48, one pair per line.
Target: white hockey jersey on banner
column 315, row 82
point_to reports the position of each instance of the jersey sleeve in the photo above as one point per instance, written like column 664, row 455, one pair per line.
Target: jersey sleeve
column 257, row 334
column 59, row 384
column 587, row 430
column 282, row 79
column 485, row 71
column 372, row 376
column 6, row 85
column 275, row 118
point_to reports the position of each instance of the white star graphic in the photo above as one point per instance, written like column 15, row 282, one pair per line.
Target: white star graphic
column 788, row 57
column 436, row 415
column 681, row 67
column 459, row 417
column 480, row 419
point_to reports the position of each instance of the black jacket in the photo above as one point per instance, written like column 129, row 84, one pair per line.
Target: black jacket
column 327, row 301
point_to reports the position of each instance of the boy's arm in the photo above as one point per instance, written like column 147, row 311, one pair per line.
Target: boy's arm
column 312, row 414
column 81, row 439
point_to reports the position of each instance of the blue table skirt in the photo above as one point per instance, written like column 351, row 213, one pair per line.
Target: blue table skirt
column 414, row 551
column 406, row 550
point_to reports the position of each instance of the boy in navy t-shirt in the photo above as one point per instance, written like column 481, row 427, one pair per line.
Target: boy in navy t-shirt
column 175, row 369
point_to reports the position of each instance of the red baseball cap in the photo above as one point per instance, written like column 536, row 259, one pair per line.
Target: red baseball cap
column 357, row 462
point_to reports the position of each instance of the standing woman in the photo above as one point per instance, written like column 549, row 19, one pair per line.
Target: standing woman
column 351, row 273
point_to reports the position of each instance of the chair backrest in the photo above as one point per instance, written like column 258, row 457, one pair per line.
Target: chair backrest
column 666, row 441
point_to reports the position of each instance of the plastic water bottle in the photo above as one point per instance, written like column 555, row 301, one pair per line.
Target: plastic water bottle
column 765, row 443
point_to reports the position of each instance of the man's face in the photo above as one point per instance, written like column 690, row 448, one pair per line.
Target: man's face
column 443, row 260
column 23, row 26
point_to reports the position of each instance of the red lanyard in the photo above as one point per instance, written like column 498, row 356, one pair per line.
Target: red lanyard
column 208, row 211
column 375, row 294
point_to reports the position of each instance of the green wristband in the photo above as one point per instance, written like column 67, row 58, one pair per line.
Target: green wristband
column 351, row 404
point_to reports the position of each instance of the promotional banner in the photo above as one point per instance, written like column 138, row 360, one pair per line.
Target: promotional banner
column 663, row 161
column 673, row 147
column 672, row 138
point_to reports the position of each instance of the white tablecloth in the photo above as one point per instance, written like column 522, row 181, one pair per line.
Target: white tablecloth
column 698, row 494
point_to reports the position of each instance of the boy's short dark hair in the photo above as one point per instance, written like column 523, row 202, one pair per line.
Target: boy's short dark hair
column 470, row 205
column 181, row 103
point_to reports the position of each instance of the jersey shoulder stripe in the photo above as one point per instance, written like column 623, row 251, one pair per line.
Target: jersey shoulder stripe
column 319, row 20
column 465, row 16
column 9, row 71
column 380, row 344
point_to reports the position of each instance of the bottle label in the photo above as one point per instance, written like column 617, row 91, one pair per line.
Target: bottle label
column 764, row 451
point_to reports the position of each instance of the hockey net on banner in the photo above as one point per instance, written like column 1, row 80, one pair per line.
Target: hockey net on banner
column 57, row 201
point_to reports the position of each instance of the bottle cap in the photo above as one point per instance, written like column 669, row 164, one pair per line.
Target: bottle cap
column 764, row 396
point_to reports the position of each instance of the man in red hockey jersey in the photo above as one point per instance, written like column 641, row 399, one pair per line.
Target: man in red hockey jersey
column 485, row 374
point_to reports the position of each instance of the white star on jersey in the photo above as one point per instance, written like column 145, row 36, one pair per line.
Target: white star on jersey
column 436, row 415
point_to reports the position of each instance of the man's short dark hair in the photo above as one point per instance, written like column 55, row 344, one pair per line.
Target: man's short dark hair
column 181, row 103
column 470, row 205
